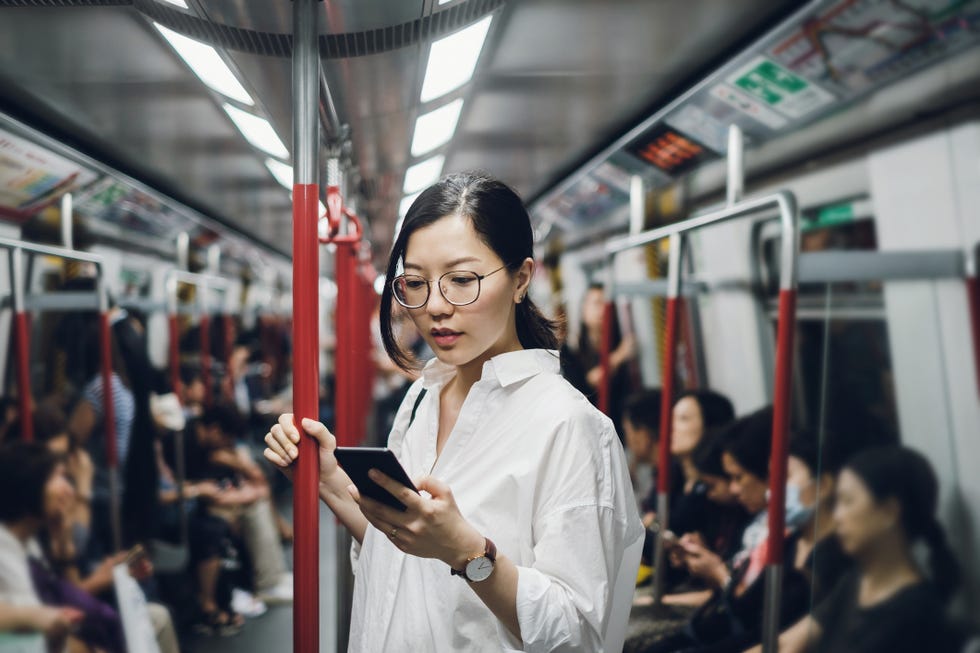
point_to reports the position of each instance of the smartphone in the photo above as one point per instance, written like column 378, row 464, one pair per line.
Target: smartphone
column 356, row 461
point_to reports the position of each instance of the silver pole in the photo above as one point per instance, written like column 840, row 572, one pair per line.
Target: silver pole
column 638, row 204
column 306, row 75
column 66, row 221
column 183, row 251
column 736, row 165
column 770, row 616
column 214, row 259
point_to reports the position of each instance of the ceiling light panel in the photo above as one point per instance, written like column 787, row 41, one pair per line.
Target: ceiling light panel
column 257, row 131
column 452, row 60
column 436, row 128
column 183, row 4
column 207, row 64
column 424, row 174
column 282, row 172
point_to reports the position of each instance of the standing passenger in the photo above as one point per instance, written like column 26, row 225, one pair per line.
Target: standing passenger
column 520, row 474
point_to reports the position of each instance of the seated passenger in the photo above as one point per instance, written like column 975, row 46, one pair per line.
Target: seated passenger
column 641, row 425
column 886, row 503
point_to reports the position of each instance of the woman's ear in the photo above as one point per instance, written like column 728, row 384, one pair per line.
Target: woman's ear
column 523, row 277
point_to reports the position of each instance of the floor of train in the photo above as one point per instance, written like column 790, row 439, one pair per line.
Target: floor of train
column 273, row 631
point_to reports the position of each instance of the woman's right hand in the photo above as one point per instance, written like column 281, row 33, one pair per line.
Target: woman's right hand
column 283, row 438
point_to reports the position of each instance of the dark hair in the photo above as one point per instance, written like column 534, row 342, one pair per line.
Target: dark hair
column 707, row 454
column 898, row 472
column 49, row 421
column 643, row 409
column 225, row 417
column 616, row 334
column 500, row 221
column 25, row 468
column 749, row 441
column 716, row 408
column 824, row 455
column 189, row 374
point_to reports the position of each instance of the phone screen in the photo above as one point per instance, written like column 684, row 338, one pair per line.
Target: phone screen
column 356, row 461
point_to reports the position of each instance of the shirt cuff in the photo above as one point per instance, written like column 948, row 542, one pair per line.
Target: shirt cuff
column 355, row 553
column 543, row 624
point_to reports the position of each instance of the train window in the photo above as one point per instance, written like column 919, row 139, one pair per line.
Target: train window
column 843, row 370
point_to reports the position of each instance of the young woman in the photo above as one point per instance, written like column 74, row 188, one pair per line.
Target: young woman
column 886, row 502
column 521, row 475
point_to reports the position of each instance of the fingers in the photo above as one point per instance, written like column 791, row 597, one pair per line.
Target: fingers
column 381, row 511
column 276, row 459
column 284, row 451
column 401, row 492
column 433, row 486
column 320, row 432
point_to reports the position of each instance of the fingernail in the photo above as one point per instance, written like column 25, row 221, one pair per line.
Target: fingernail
column 293, row 452
column 373, row 474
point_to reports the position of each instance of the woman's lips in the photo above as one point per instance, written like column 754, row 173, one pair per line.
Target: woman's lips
column 446, row 338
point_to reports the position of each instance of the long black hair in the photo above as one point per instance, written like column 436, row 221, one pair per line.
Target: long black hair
column 501, row 222
column 903, row 474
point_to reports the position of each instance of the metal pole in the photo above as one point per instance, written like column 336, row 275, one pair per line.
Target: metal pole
column 22, row 344
column 973, row 302
column 109, row 412
column 174, row 333
column 782, row 387
column 66, row 221
column 736, row 165
column 205, row 342
column 306, row 66
column 183, row 251
column 666, row 406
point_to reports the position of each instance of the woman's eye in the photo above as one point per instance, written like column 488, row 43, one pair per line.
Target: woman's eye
column 414, row 284
column 462, row 280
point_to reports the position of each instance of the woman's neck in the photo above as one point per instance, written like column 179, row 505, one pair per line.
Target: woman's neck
column 690, row 471
column 886, row 570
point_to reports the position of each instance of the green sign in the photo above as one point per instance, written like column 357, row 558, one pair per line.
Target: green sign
column 829, row 216
column 770, row 82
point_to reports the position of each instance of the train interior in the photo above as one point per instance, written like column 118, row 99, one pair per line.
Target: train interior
column 146, row 169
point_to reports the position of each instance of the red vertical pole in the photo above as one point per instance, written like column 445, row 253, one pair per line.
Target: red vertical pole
column 22, row 345
column 205, row 326
column 306, row 338
column 668, row 376
column 174, row 335
column 780, row 426
column 306, row 331
column 973, row 299
column 605, row 351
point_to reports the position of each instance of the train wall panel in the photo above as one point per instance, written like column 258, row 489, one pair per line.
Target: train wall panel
column 917, row 188
column 6, row 315
column 731, row 322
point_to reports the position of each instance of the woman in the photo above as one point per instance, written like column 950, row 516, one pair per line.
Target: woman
column 886, row 503
column 506, row 451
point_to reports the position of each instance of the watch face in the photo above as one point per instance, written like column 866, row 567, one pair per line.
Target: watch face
column 479, row 568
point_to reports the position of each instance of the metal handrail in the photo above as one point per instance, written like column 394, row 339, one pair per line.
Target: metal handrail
column 17, row 249
column 785, row 203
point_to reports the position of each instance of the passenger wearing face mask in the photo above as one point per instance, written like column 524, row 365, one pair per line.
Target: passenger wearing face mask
column 886, row 503
column 730, row 620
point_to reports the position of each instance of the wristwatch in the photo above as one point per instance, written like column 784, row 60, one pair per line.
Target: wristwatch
column 479, row 567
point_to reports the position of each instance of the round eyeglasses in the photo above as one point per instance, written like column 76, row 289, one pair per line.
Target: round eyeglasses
column 458, row 287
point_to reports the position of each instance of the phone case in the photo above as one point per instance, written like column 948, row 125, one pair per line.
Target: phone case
column 356, row 461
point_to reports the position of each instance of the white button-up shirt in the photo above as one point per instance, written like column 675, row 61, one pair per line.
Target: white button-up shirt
column 16, row 586
column 537, row 469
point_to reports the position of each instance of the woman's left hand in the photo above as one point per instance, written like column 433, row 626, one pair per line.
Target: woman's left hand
column 431, row 527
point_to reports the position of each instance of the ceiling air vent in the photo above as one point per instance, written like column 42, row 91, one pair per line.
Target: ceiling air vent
column 332, row 46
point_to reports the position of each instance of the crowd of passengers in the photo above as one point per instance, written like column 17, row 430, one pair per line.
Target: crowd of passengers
column 856, row 513
column 218, row 526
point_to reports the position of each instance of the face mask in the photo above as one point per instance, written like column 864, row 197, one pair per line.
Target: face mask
column 796, row 513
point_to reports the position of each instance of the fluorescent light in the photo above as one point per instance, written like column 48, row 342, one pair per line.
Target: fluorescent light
column 207, row 64
column 257, row 131
column 403, row 207
column 183, row 5
column 424, row 174
column 282, row 172
column 452, row 60
column 436, row 127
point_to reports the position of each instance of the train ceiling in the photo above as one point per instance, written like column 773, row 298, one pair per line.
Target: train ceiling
column 555, row 78
column 555, row 82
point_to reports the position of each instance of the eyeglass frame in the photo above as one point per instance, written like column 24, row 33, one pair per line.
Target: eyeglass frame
column 428, row 286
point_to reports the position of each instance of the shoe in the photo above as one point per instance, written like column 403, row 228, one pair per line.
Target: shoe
column 218, row 622
column 281, row 592
column 247, row 604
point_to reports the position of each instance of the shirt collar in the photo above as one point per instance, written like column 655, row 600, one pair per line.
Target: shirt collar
column 507, row 369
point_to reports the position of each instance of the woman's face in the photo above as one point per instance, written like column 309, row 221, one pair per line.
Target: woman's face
column 799, row 474
column 58, row 494
column 471, row 334
column 747, row 488
column 859, row 519
column 718, row 489
column 593, row 308
column 638, row 441
column 687, row 426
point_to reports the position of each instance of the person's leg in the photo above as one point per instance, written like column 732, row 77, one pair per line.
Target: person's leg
column 163, row 628
column 262, row 540
column 208, row 573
